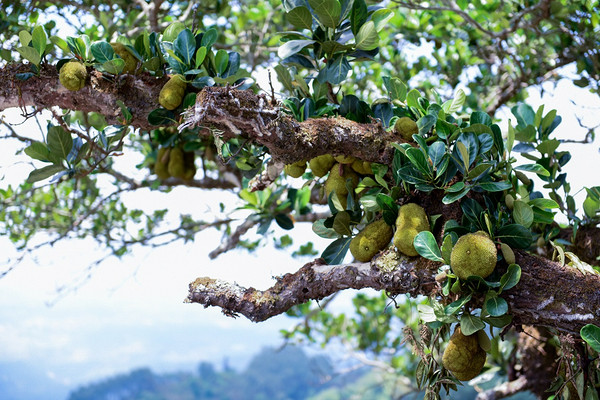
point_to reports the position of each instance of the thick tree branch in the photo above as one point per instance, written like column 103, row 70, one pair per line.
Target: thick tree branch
column 138, row 92
column 232, row 113
column 547, row 295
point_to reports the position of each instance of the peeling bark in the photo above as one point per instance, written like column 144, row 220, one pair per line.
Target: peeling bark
column 548, row 294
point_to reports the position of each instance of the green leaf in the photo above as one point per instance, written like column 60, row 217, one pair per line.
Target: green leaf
column 300, row 17
column 114, row 66
column 24, row 38
column 452, row 106
column 543, row 203
column 452, row 197
column 185, row 46
column 447, row 249
column 478, row 129
column 510, row 278
column 161, row 116
column 591, row 334
column 496, row 306
column 284, row 221
column 284, row 77
column 515, row 235
column 548, row 146
column 336, row 251
column 337, row 70
column 381, row 17
column 425, row 123
column 341, row 223
column 524, row 114
column 321, row 230
column 37, row 151
column 537, row 168
column 426, row 313
column 367, row 37
column 358, row 15
column 292, row 47
column 209, row 38
column 173, row 31
column 59, row 142
column 30, row 54
column 327, row 11
column 60, row 42
column 427, row 247
column 417, row 158
column 478, row 170
column 102, row 52
column 494, row 186
column 396, row 88
column 200, row 56
column 39, row 39
column 464, row 154
column 221, row 61
column 45, row 172
column 77, row 46
column 455, row 306
column 469, row 324
column 499, row 322
column 523, row 213
column 125, row 111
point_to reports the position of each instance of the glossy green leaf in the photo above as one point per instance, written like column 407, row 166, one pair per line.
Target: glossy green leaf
column 452, row 106
column 30, row 54
column 114, row 66
column 185, row 47
column 455, row 306
column 358, row 15
column 327, row 11
column 538, row 169
column 37, row 151
column 284, row 221
column 381, row 17
column 292, row 47
column 499, row 322
column 221, row 61
column 510, row 278
column 523, row 213
column 300, row 17
column 425, row 123
column 321, row 230
column 59, row 142
column 39, row 39
column 336, row 251
column 591, row 334
column 172, row 31
column 543, row 203
column 367, row 37
column 200, row 56
column 427, row 247
column 496, row 306
column 102, row 52
column 469, row 324
column 44, row 173
column 494, row 186
column 515, row 235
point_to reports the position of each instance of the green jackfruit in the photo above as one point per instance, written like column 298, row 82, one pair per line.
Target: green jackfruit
column 362, row 167
column 406, row 127
column 473, row 254
column 321, row 165
column 463, row 356
column 373, row 238
column 131, row 62
column 176, row 165
column 171, row 95
column 296, row 169
column 336, row 182
column 73, row 75
column 345, row 159
column 189, row 165
column 162, row 161
column 411, row 220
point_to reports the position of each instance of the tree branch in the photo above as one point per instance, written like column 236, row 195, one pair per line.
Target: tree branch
column 547, row 295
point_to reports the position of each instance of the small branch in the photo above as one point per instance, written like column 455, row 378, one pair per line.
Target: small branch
column 233, row 239
column 504, row 390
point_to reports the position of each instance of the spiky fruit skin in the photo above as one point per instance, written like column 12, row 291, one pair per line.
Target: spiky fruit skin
column 336, row 182
column 296, row 169
column 406, row 127
column 411, row 220
column 176, row 165
column 373, row 238
column 162, row 161
column 73, row 75
column 463, row 356
column 321, row 165
column 345, row 159
column 171, row 95
column 362, row 167
column 130, row 61
column 473, row 254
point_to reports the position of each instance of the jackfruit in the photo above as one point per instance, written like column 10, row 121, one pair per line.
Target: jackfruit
column 362, row 167
column 131, row 62
column 73, row 75
column 171, row 95
column 411, row 220
column 345, row 159
column 162, row 160
column 463, row 356
column 176, row 165
column 321, row 165
column 406, row 127
column 336, row 182
column 189, row 165
column 296, row 169
column 373, row 238
column 473, row 254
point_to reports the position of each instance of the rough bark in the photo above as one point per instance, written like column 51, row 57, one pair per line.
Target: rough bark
column 548, row 294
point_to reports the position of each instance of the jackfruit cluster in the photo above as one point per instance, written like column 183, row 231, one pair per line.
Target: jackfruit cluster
column 411, row 220
column 373, row 238
column 73, row 75
column 131, row 62
column 321, row 165
column 473, row 254
column 463, row 356
column 171, row 95
column 336, row 182
column 406, row 127
column 174, row 162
